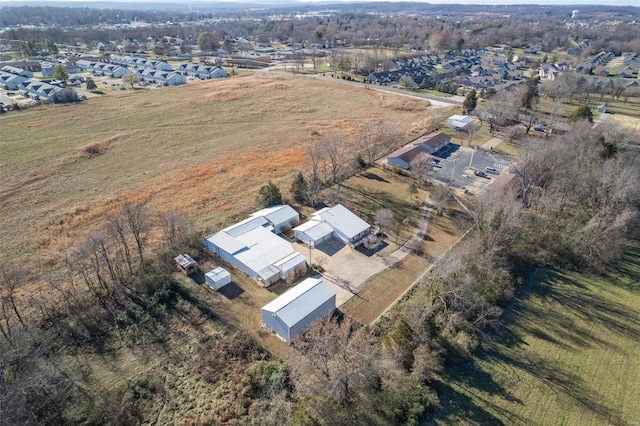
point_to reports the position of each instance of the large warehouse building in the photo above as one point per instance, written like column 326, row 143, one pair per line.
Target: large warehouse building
column 252, row 246
column 291, row 314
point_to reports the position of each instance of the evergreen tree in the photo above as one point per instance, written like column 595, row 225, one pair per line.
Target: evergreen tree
column 299, row 188
column 60, row 73
column 530, row 97
column 269, row 195
column 583, row 112
column 91, row 85
column 470, row 102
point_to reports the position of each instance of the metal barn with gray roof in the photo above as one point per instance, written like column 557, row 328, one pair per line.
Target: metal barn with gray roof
column 291, row 314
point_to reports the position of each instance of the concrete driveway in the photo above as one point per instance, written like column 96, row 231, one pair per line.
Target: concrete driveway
column 345, row 269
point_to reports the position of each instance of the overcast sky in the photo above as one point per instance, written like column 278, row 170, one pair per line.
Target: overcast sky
column 474, row 2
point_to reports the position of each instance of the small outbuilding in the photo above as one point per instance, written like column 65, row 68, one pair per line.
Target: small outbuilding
column 186, row 264
column 292, row 313
column 459, row 123
column 217, row 278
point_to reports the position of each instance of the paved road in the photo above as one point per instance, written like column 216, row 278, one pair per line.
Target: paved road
column 436, row 101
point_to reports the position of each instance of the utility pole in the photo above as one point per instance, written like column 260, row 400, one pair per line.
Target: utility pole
column 472, row 152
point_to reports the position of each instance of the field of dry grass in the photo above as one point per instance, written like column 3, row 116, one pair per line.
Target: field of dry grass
column 205, row 148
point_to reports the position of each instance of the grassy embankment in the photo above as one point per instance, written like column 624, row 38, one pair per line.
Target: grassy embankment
column 568, row 354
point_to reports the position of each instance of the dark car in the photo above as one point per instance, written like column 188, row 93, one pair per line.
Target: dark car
column 480, row 173
column 540, row 128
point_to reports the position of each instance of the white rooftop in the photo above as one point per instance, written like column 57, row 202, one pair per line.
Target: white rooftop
column 462, row 118
column 315, row 229
column 295, row 304
column 277, row 214
column 218, row 273
column 342, row 220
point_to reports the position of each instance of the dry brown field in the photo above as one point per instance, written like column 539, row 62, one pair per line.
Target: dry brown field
column 205, row 148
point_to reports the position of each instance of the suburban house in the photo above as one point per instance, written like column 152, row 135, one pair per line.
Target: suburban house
column 101, row 68
column 38, row 90
column 164, row 78
column 292, row 313
column 433, row 141
column 459, row 122
column 252, row 246
column 126, row 61
column 10, row 81
column 49, row 69
column 406, row 155
column 217, row 278
column 203, row 72
column 17, row 71
column 333, row 222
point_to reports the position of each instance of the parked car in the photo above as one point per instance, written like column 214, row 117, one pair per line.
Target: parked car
column 480, row 173
column 540, row 128
column 492, row 170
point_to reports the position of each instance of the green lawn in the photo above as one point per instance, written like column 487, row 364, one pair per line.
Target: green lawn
column 569, row 355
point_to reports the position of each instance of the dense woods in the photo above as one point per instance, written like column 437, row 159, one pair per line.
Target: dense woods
column 534, row 25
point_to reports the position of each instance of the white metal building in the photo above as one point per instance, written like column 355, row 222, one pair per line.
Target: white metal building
column 252, row 247
column 313, row 232
column 336, row 221
column 459, row 122
column 217, row 278
column 291, row 314
column 281, row 217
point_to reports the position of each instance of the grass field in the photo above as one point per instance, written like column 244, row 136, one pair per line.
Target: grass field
column 205, row 148
column 568, row 355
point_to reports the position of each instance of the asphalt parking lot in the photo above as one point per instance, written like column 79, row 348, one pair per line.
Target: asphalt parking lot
column 456, row 167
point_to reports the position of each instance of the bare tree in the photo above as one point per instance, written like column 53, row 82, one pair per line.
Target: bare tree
column 11, row 278
column 176, row 228
column 422, row 169
column 336, row 150
column 316, row 162
column 384, row 220
column 376, row 138
column 138, row 222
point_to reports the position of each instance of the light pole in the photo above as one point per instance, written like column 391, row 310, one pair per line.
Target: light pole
column 453, row 171
column 472, row 152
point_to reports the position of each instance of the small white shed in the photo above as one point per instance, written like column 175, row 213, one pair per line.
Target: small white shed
column 217, row 278
column 459, row 122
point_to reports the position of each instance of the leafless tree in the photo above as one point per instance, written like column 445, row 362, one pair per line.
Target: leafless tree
column 375, row 139
column 316, row 163
column 384, row 220
column 117, row 227
column 176, row 228
column 422, row 169
column 11, row 279
column 138, row 222
column 335, row 148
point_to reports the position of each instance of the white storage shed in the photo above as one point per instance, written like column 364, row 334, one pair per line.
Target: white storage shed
column 459, row 122
column 217, row 278
column 280, row 217
column 291, row 314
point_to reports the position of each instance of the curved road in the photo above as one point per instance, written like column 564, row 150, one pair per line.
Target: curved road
column 436, row 101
